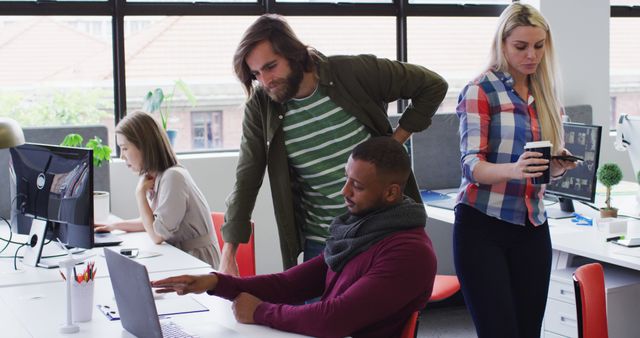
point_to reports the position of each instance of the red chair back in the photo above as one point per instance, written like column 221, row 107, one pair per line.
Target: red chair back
column 410, row 329
column 246, row 255
column 591, row 305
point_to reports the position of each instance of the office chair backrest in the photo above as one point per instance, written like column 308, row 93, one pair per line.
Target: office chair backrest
column 246, row 255
column 410, row 329
column 591, row 305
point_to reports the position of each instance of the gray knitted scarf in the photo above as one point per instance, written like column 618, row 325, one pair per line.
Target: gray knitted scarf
column 349, row 235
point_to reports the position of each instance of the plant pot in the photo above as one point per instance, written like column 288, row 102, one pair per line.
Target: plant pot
column 608, row 212
column 172, row 133
column 101, row 206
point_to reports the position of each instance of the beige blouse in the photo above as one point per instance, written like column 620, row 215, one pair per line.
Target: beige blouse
column 182, row 216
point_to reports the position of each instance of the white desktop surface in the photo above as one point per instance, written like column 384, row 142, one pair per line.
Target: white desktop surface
column 587, row 241
column 170, row 259
column 39, row 310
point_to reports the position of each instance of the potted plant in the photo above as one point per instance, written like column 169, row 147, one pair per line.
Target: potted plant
column 101, row 154
column 609, row 175
column 153, row 102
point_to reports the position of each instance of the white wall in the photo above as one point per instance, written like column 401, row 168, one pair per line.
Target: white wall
column 214, row 174
column 580, row 31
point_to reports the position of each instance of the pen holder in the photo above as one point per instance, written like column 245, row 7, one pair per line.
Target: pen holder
column 82, row 301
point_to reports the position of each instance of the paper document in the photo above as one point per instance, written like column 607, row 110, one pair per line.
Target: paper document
column 165, row 306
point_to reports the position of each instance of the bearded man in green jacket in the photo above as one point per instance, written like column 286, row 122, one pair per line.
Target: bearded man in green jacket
column 304, row 114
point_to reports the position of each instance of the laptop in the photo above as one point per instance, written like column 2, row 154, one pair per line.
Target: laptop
column 136, row 306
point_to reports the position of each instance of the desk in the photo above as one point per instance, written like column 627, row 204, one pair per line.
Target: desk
column 170, row 259
column 569, row 241
column 38, row 310
column 32, row 300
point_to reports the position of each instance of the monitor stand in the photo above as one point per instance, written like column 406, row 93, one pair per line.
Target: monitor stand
column 566, row 209
column 33, row 253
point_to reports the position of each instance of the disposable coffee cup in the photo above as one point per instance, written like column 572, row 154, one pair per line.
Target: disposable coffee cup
column 82, row 301
column 543, row 147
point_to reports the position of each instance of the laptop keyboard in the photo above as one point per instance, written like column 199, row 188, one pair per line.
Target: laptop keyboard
column 173, row 330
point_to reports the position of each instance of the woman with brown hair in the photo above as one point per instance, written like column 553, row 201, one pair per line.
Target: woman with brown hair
column 172, row 208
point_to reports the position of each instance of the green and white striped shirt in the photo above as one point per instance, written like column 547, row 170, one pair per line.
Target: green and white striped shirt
column 319, row 136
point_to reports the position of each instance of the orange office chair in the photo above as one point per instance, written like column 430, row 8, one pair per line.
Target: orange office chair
column 591, row 305
column 444, row 286
column 410, row 329
column 246, row 255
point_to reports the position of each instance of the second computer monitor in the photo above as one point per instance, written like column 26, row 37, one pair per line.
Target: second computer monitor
column 579, row 184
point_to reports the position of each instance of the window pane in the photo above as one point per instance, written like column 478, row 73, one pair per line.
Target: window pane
column 56, row 0
column 349, row 36
column 56, row 70
column 454, row 47
column 459, row 2
column 191, row 1
column 625, row 67
column 341, row 1
column 163, row 52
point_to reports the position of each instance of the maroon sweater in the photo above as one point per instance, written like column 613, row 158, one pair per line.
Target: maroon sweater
column 373, row 296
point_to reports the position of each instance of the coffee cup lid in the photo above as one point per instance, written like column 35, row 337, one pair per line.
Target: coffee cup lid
column 537, row 144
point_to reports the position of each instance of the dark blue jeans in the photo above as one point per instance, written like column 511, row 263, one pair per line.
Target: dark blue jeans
column 312, row 249
column 504, row 272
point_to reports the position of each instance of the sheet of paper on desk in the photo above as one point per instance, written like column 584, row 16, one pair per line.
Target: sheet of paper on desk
column 166, row 306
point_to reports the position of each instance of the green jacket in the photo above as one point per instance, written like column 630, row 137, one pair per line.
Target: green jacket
column 363, row 86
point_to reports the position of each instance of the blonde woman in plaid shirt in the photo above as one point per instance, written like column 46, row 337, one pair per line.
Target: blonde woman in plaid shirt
column 502, row 248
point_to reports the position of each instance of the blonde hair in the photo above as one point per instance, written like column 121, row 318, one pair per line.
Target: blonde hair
column 545, row 85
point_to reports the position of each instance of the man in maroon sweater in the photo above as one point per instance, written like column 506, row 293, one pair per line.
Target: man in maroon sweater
column 378, row 266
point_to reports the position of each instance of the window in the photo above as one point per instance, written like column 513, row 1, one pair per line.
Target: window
column 198, row 50
column 57, row 57
column 56, row 70
column 455, row 47
column 206, row 129
column 624, row 68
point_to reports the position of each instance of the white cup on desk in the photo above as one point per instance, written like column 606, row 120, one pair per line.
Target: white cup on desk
column 82, row 300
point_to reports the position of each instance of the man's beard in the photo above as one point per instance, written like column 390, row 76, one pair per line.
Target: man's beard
column 288, row 87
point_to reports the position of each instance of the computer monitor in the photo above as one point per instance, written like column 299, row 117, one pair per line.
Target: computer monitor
column 52, row 184
column 579, row 184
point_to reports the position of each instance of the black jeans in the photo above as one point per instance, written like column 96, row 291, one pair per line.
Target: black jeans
column 504, row 272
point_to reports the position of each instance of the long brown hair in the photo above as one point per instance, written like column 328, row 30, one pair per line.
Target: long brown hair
column 275, row 29
column 545, row 83
column 144, row 132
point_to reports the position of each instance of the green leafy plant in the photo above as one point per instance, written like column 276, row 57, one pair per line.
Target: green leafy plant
column 609, row 175
column 153, row 101
column 101, row 152
column 638, row 176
